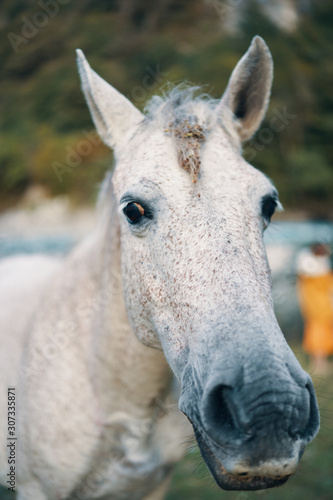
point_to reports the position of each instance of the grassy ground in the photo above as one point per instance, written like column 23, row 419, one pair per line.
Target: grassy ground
column 313, row 480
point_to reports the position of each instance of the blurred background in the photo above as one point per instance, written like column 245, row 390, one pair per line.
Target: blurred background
column 52, row 162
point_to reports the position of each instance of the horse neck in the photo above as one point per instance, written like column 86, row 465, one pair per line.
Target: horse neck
column 127, row 375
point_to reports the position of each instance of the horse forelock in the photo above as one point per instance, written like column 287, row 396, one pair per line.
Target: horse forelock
column 179, row 103
column 187, row 115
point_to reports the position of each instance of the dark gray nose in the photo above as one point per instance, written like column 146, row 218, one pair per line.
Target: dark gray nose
column 271, row 407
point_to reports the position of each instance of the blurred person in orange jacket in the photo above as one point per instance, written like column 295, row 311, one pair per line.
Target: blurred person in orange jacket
column 315, row 291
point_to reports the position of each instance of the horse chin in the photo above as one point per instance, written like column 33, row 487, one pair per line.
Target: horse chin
column 228, row 481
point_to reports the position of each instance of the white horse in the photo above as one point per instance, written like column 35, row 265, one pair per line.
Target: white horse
column 174, row 276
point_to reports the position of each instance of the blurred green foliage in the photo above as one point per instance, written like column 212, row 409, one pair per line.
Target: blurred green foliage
column 138, row 47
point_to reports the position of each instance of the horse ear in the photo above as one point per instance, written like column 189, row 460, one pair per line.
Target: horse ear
column 247, row 94
column 112, row 113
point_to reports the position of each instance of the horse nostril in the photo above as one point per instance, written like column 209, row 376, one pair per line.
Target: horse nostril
column 305, row 421
column 312, row 426
column 228, row 418
column 220, row 415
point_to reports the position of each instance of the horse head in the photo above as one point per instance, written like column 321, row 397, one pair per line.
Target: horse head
column 197, row 284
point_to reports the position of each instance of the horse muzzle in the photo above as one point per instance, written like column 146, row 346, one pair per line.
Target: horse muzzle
column 240, row 477
column 252, row 434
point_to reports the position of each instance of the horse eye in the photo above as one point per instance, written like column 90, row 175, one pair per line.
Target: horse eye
column 134, row 212
column 268, row 207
